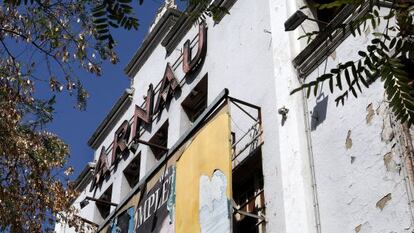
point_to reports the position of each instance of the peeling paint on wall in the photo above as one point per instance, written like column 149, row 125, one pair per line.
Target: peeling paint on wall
column 348, row 141
column 207, row 153
column 363, row 228
column 358, row 228
column 171, row 197
column 383, row 201
column 214, row 208
column 370, row 113
column 387, row 133
column 390, row 164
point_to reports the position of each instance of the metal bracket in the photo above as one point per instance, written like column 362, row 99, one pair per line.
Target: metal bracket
column 150, row 144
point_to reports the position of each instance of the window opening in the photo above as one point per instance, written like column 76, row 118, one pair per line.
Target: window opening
column 160, row 138
column 248, row 194
column 131, row 172
column 196, row 102
column 105, row 209
column 324, row 15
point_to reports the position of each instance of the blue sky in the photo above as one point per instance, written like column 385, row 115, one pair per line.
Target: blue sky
column 74, row 126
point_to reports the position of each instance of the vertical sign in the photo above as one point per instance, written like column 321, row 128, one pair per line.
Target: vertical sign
column 203, row 180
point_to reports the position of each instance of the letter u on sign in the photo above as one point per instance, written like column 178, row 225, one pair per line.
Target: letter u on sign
column 192, row 64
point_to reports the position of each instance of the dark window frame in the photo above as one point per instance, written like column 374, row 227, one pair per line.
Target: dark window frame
column 194, row 108
column 329, row 38
column 128, row 173
column 104, row 209
column 160, row 140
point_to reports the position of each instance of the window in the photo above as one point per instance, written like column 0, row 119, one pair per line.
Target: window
column 248, row 194
column 323, row 15
column 105, row 209
column 160, row 138
column 195, row 103
column 131, row 172
column 329, row 38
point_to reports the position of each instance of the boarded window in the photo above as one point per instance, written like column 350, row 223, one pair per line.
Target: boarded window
column 248, row 194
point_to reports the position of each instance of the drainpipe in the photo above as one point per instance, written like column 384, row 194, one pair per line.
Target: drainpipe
column 311, row 161
column 406, row 152
column 408, row 173
column 292, row 6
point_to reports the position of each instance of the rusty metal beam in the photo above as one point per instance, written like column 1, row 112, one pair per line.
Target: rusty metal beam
column 151, row 144
column 101, row 201
column 248, row 114
column 244, row 103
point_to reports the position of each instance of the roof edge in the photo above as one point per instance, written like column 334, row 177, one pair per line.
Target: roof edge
column 84, row 177
column 151, row 40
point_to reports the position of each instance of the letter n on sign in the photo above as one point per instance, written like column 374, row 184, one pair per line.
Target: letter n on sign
column 169, row 85
column 143, row 114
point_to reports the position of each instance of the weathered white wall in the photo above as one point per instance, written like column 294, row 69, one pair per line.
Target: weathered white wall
column 249, row 53
column 360, row 186
column 295, row 198
column 239, row 57
column 352, row 181
column 350, row 147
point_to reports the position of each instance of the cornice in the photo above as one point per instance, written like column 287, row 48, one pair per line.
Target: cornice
column 116, row 112
column 151, row 41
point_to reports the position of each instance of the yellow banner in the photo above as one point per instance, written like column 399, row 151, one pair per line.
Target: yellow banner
column 203, row 180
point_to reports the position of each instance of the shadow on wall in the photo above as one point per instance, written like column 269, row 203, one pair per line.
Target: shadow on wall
column 319, row 111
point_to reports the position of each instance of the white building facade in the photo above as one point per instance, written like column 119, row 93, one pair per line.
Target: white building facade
column 299, row 165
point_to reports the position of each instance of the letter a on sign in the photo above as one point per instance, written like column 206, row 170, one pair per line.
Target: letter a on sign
column 101, row 167
column 192, row 64
column 143, row 114
column 169, row 84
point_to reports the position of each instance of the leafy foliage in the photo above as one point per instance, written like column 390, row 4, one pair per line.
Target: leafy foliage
column 204, row 9
column 113, row 13
column 43, row 43
column 389, row 57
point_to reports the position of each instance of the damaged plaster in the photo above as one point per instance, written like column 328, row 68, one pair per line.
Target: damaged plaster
column 358, row 228
column 214, row 206
column 383, row 201
column 390, row 164
column 387, row 132
column 370, row 113
column 171, row 198
column 348, row 141
column 363, row 228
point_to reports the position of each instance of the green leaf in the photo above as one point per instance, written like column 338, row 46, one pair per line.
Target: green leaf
column 347, row 78
column 338, row 81
column 392, row 43
column 331, row 85
column 362, row 53
column 315, row 90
